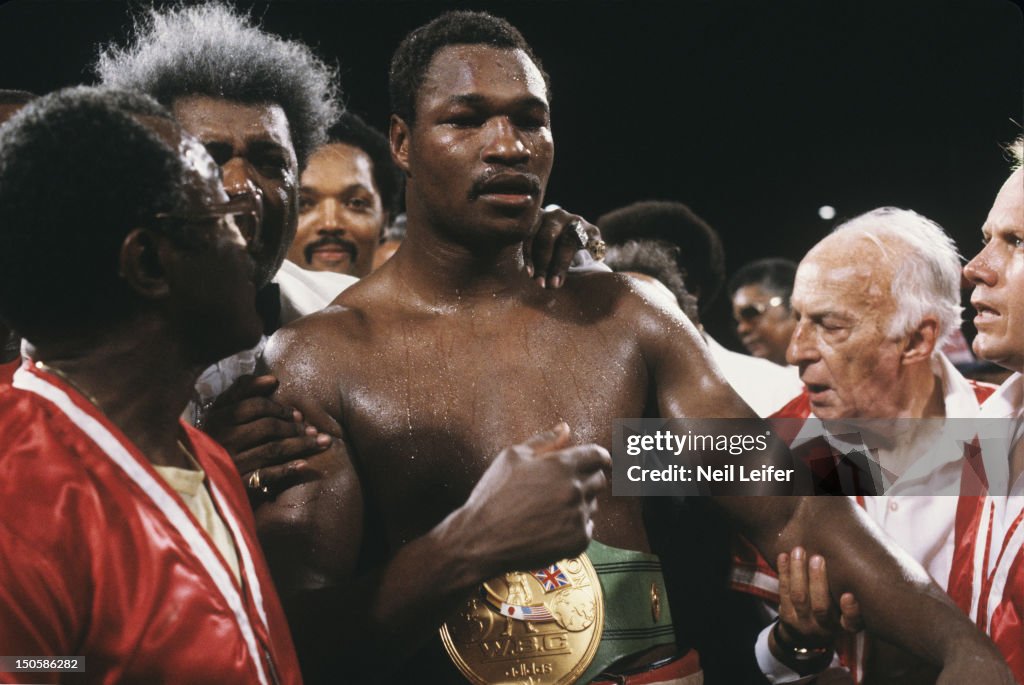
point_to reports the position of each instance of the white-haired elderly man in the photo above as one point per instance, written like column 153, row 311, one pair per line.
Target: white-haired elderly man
column 874, row 301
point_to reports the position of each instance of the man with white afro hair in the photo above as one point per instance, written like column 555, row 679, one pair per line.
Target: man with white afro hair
column 219, row 72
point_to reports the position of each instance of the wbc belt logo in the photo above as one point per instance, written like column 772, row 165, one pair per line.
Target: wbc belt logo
column 536, row 627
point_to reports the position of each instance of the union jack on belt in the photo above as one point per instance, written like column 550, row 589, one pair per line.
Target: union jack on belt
column 551, row 578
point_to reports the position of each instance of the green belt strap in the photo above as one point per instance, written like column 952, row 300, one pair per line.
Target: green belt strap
column 629, row 624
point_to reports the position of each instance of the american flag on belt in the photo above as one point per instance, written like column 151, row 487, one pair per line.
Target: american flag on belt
column 551, row 578
column 535, row 612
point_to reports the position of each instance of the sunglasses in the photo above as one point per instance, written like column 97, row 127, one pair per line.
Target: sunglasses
column 752, row 311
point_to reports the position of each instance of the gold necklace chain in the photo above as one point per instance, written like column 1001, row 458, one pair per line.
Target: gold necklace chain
column 64, row 377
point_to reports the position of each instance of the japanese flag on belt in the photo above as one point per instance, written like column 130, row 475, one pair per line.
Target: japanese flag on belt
column 520, row 612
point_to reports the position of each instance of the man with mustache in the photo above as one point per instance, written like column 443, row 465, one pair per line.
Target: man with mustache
column 261, row 105
column 347, row 195
column 440, row 368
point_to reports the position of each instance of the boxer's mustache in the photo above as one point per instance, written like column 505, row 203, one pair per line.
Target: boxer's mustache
column 516, row 183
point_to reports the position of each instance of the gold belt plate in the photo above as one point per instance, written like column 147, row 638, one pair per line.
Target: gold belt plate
column 538, row 627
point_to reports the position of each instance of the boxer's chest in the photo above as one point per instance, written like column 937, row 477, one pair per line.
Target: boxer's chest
column 453, row 397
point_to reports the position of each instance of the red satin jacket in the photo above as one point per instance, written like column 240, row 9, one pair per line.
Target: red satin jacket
column 100, row 558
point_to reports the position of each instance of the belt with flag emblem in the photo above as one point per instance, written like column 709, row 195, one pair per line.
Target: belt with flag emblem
column 565, row 623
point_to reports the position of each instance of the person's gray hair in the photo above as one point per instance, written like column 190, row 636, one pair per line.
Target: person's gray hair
column 213, row 50
column 395, row 230
column 926, row 267
column 1016, row 150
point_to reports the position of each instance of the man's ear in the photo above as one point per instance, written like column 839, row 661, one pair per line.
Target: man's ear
column 399, row 138
column 921, row 342
column 141, row 263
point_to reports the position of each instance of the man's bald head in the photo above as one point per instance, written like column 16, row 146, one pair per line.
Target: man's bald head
column 920, row 261
column 873, row 301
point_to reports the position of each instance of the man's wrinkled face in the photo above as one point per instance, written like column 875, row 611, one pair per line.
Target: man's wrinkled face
column 212, row 273
column 843, row 303
column 763, row 322
column 340, row 212
column 997, row 273
column 480, row 151
column 252, row 144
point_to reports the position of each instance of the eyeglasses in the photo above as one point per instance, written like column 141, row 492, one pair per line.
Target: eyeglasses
column 226, row 216
column 752, row 311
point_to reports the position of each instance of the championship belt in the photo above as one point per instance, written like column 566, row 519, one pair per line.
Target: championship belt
column 540, row 627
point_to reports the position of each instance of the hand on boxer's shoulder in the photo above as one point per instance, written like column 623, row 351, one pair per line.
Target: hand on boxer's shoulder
column 549, row 250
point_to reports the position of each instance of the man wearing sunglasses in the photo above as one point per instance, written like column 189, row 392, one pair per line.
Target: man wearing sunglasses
column 760, row 305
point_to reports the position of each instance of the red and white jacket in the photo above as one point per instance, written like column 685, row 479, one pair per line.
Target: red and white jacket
column 100, row 558
column 987, row 577
column 923, row 526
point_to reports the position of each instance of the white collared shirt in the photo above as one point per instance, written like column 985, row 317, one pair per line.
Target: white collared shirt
column 762, row 384
column 920, row 524
column 302, row 292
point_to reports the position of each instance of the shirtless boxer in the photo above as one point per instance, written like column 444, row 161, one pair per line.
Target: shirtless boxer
column 449, row 352
column 261, row 105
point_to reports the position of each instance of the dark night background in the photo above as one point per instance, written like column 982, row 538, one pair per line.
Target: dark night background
column 755, row 114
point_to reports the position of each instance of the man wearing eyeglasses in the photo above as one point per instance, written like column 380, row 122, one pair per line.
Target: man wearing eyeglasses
column 261, row 105
column 127, row 547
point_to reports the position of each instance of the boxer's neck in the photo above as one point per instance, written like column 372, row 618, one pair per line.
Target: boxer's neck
column 442, row 270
